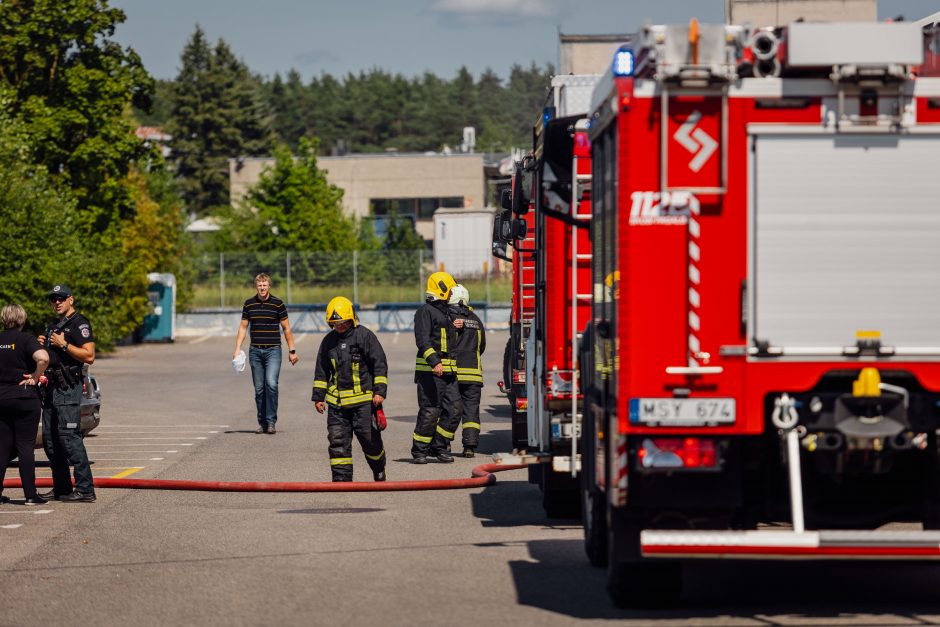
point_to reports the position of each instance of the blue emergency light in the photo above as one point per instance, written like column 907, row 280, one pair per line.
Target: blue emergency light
column 548, row 114
column 623, row 63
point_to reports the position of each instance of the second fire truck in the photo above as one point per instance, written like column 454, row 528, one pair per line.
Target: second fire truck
column 552, row 291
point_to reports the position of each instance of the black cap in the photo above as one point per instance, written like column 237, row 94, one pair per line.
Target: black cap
column 60, row 290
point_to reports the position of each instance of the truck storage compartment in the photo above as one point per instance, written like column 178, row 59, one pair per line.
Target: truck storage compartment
column 843, row 238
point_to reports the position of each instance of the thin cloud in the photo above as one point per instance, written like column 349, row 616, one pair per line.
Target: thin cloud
column 476, row 11
column 315, row 57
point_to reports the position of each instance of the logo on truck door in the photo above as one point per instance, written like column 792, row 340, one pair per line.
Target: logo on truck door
column 648, row 208
column 696, row 140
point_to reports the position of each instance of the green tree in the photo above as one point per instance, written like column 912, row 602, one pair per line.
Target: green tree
column 292, row 207
column 31, row 208
column 69, row 160
column 71, row 84
column 159, row 113
column 217, row 113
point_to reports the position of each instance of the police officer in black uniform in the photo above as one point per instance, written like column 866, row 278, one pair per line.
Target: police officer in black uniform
column 468, row 347
column 435, row 374
column 352, row 378
column 71, row 344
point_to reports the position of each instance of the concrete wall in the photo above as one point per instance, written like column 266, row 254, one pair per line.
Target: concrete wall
column 363, row 177
column 587, row 54
column 780, row 12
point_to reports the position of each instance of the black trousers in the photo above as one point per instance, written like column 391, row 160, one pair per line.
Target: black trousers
column 438, row 414
column 470, row 415
column 19, row 422
column 62, row 440
column 341, row 424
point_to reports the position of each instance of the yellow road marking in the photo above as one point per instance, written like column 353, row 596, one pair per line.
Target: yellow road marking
column 127, row 473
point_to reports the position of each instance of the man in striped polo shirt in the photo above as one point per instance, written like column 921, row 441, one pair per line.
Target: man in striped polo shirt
column 265, row 315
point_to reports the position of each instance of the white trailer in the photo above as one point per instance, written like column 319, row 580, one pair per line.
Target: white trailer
column 463, row 241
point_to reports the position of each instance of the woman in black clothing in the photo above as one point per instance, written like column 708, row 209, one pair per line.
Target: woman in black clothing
column 22, row 362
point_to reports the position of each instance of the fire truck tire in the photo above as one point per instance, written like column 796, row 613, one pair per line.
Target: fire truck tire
column 594, row 515
column 632, row 581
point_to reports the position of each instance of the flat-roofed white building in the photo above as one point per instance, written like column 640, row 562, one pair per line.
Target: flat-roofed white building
column 780, row 12
column 410, row 184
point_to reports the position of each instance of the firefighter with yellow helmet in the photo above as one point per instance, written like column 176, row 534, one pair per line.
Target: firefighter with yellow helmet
column 351, row 379
column 435, row 374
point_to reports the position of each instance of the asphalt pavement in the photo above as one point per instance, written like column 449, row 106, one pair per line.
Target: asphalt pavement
column 482, row 556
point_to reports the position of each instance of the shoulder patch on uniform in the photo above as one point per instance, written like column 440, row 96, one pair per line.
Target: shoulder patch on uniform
column 85, row 332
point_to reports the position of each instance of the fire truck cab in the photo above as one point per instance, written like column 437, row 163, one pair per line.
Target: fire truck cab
column 766, row 289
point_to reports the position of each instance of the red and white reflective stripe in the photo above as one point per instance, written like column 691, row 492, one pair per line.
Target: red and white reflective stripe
column 695, row 280
column 788, row 544
column 618, row 493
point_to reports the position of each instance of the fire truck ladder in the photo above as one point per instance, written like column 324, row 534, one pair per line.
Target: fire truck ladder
column 580, row 183
column 798, row 543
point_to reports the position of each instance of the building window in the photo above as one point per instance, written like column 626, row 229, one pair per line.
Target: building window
column 418, row 208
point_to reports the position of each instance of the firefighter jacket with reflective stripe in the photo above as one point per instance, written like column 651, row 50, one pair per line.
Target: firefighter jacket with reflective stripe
column 351, row 367
column 434, row 336
column 469, row 344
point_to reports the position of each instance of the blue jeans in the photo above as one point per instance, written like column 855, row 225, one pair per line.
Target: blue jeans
column 265, row 369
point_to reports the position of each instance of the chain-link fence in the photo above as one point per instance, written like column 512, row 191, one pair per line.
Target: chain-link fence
column 225, row 280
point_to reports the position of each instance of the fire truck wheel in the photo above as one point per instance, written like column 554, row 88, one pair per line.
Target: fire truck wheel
column 594, row 514
column 632, row 581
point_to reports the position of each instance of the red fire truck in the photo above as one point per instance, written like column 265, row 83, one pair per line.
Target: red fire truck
column 766, row 282
column 552, row 293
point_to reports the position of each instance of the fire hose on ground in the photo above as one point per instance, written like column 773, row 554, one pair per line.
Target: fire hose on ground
column 481, row 476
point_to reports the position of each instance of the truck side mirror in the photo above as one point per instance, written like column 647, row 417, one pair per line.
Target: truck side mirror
column 519, row 228
column 505, row 200
column 500, row 251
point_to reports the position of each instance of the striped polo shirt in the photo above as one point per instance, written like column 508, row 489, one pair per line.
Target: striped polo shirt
column 264, row 320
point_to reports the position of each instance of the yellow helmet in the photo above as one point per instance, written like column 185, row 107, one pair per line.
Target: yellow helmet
column 440, row 284
column 340, row 309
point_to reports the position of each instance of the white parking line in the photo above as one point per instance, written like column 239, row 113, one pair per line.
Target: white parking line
column 28, row 512
column 100, row 432
column 300, row 337
column 95, row 450
column 127, row 459
column 11, row 526
column 96, row 445
column 164, row 426
column 110, row 438
column 202, row 339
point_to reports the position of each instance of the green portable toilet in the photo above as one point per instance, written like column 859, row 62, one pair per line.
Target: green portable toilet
column 160, row 324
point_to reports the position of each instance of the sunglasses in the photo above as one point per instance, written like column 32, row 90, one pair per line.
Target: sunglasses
column 58, row 299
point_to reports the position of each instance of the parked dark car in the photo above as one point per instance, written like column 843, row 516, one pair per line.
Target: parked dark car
column 91, row 406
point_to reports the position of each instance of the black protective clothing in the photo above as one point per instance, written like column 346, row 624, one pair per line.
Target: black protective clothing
column 438, row 396
column 469, row 345
column 351, row 368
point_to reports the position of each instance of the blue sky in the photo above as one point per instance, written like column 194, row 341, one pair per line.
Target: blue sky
column 402, row 36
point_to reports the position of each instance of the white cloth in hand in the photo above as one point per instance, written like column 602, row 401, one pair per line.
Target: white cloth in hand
column 238, row 364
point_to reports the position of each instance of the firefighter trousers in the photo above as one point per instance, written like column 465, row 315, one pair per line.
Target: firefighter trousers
column 438, row 414
column 470, row 415
column 341, row 424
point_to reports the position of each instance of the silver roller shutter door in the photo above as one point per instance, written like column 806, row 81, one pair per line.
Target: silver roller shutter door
column 847, row 238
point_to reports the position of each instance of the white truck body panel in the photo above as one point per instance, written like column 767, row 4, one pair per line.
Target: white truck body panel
column 462, row 242
column 843, row 237
column 572, row 93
